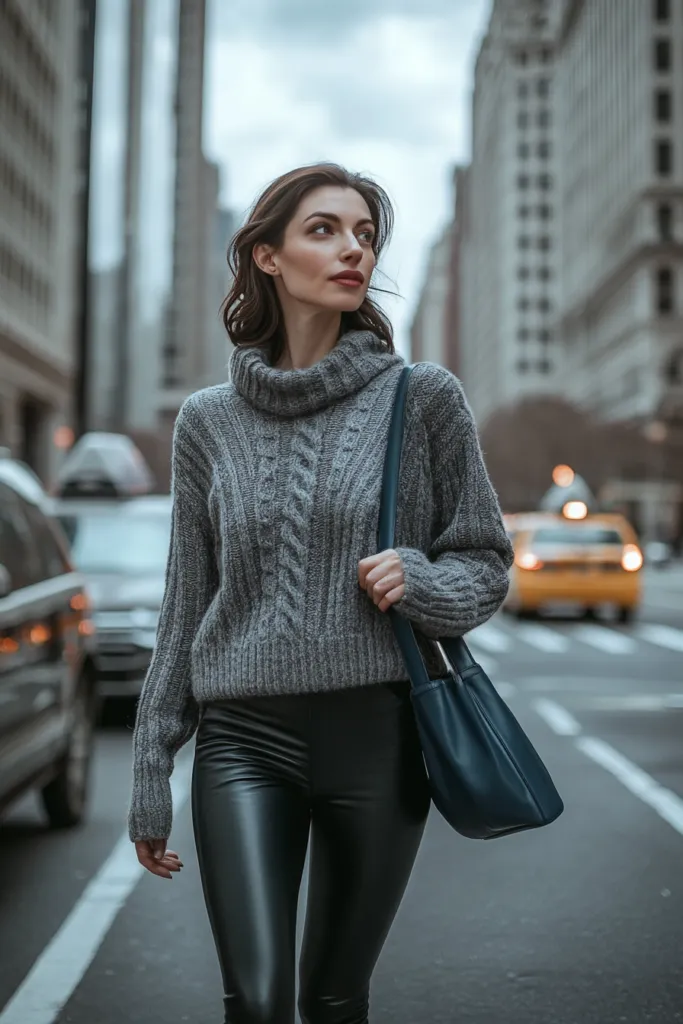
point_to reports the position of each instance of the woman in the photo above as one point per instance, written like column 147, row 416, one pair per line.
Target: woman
column 272, row 642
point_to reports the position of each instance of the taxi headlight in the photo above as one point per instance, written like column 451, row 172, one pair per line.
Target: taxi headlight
column 631, row 558
column 528, row 560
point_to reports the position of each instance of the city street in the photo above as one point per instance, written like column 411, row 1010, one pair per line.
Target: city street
column 577, row 923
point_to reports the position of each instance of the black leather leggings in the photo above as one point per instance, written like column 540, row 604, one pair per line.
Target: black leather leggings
column 347, row 765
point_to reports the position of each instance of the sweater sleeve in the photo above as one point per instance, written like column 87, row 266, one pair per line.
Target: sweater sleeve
column 463, row 578
column 167, row 713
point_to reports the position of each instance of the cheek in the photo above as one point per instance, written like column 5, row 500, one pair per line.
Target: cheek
column 307, row 261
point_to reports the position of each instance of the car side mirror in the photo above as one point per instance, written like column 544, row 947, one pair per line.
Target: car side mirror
column 5, row 581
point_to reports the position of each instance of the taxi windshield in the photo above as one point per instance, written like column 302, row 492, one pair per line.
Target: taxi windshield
column 118, row 543
column 573, row 533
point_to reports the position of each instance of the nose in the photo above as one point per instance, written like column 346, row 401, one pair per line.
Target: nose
column 353, row 251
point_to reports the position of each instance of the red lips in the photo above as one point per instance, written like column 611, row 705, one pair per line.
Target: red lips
column 349, row 275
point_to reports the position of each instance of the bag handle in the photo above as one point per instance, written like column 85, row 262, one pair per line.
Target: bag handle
column 453, row 650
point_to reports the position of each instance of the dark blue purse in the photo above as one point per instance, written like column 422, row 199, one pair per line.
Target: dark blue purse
column 485, row 776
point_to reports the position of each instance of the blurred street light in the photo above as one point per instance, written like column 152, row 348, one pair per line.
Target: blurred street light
column 656, row 431
column 575, row 510
column 563, row 476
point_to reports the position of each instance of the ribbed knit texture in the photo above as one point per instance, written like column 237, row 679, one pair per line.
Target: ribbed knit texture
column 276, row 479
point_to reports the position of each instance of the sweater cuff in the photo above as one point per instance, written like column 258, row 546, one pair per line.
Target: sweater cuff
column 431, row 602
column 150, row 815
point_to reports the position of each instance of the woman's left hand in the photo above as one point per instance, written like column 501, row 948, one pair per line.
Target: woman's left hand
column 383, row 578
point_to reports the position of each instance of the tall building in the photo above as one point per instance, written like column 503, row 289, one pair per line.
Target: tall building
column 620, row 103
column 428, row 330
column 434, row 328
column 184, row 346
column 508, row 238
column 38, row 224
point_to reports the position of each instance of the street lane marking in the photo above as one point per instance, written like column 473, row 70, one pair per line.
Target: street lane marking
column 557, row 717
column 605, row 639
column 58, row 970
column 662, row 636
column 543, row 638
column 667, row 804
column 635, row 702
column 490, row 638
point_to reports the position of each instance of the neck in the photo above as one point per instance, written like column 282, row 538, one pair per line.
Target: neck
column 310, row 334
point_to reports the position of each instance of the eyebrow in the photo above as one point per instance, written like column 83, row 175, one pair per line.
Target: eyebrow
column 333, row 216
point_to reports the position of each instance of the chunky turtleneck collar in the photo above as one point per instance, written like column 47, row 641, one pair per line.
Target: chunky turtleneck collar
column 356, row 359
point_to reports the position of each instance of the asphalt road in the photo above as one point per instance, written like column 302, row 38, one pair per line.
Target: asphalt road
column 579, row 923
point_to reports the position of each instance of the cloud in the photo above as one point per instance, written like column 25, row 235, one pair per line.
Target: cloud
column 381, row 87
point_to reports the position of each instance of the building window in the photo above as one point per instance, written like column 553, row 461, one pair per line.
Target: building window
column 544, row 273
column 544, row 243
column 522, row 365
column 523, row 150
column 523, row 273
column 523, row 304
column 543, row 87
column 522, row 89
column 665, row 290
column 544, row 182
column 662, row 10
column 544, row 336
column 663, row 156
column 522, row 181
column 523, row 119
column 545, row 212
column 663, row 105
column 543, row 149
column 546, row 55
column 521, row 57
column 544, row 366
column 544, row 305
column 544, row 118
column 662, row 54
column 665, row 222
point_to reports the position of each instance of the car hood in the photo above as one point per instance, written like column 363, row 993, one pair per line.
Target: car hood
column 117, row 591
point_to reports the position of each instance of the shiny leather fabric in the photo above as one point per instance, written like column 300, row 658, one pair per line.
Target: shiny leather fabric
column 346, row 764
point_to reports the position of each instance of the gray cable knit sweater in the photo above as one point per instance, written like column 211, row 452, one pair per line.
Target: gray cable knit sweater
column 276, row 480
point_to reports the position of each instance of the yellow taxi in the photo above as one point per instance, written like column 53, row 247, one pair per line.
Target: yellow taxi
column 573, row 558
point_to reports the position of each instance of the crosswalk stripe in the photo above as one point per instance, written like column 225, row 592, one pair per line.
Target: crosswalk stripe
column 490, row 638
column 605, row 639
column 662, row 636
column 543, row 638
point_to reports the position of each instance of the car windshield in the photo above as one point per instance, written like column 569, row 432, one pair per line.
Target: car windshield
column 118, row 543
column 575, row 534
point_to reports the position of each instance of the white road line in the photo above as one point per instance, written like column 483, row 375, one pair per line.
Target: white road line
column 557, row 717
column 663, row 636
column 543, row 638
column 58, row 970
column 605, row 639
column 490, row 638
column 667, row 804
column 635, row 702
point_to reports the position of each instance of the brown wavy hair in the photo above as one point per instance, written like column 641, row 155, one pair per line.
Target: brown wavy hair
column 251, row 312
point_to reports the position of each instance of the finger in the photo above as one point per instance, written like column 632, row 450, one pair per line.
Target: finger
column 391, row 598
column 387, row 583
column 156, row 868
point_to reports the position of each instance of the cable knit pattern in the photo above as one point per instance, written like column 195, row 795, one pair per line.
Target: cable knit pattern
column 276, row 479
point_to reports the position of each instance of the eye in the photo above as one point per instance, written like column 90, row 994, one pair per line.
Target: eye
column 318, row 226
column 370, row 234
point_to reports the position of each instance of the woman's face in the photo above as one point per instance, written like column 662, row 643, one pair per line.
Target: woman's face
column 330, row 234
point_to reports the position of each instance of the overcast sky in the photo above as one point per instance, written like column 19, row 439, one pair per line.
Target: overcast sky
column 381, row 86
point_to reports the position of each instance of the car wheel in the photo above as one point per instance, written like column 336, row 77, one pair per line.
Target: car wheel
column 625, row 615
column 65, row 797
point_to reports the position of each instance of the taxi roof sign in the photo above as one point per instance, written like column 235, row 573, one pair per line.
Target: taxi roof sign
column 103, row 464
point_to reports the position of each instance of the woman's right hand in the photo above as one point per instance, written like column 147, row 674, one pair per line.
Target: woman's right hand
column 154, row 856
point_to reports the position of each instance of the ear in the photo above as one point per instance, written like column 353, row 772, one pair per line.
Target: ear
column 264, row 258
